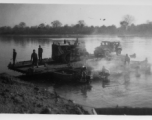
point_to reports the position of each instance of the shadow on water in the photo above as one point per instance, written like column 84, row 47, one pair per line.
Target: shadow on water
column 46, row 82
column 52, row 85
column 81, row 89
column 103, row 83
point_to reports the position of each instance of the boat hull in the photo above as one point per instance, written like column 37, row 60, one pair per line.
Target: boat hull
column 69, row 75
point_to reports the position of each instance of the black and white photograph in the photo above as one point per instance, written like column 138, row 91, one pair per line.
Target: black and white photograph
column 76, row 58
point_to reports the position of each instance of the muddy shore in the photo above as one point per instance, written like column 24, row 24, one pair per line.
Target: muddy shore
column 17, row 96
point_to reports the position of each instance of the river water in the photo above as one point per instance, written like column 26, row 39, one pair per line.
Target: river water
column 122, row 90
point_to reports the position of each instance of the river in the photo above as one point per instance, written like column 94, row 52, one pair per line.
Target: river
column 123, row 90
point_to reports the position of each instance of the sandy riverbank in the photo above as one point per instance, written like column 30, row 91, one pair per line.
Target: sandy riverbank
column 18, row 96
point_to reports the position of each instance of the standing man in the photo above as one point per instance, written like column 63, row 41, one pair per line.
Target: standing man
column 34, row 58
column 64, row 41
column 40, row 51
column 83, row 74
column 76, row 42
column 127, row 59
column 14, row 56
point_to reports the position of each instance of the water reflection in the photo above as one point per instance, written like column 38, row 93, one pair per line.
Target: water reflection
column 70, row 89
column 105, row 83
column 23, row 41
column 126, row 80
column 84, row 89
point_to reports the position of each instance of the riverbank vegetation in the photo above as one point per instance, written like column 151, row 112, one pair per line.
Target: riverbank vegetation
column 127, row 27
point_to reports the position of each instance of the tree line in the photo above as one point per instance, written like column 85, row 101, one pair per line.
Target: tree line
column 126, row 28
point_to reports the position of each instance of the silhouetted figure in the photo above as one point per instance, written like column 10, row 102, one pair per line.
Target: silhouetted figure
column 147, row 66
column 14, row 56
column 146, row 60
column 127, row 59
column 76, row 42
column 34, row 58
column 104, row 69
column 104, row 73
column 83, row 74
column 64, row 41
column 40, row 51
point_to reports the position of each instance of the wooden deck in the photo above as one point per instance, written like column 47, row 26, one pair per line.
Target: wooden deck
column 48, row 66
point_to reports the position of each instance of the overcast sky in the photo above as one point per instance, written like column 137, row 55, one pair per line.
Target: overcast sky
column 34, row 14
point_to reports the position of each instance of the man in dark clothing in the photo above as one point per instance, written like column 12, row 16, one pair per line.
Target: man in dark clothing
column 40, row 51
column 14, row 56
column 64, row 41
column 34, row 58
column 127, row 59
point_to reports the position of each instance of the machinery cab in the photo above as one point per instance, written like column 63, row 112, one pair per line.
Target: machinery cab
column 69, row 52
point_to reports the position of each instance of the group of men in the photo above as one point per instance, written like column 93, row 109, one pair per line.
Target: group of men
column 34, row 57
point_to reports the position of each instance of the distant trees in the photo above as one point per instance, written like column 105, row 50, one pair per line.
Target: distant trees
column 56, row 24
column 42, row 25
column 149, row 22
column 81, row 23
column 56, row 27
column 125, row 23
column 22, row 25
column 127, row 20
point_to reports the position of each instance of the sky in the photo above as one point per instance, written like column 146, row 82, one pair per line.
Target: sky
column 92, row 14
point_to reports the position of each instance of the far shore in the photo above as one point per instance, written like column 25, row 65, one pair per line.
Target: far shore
column 58, row 36
column 77, row 35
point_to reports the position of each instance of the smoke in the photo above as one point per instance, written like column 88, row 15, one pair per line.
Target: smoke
column 90, row 45
column 139, row 46
column 98, row 64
